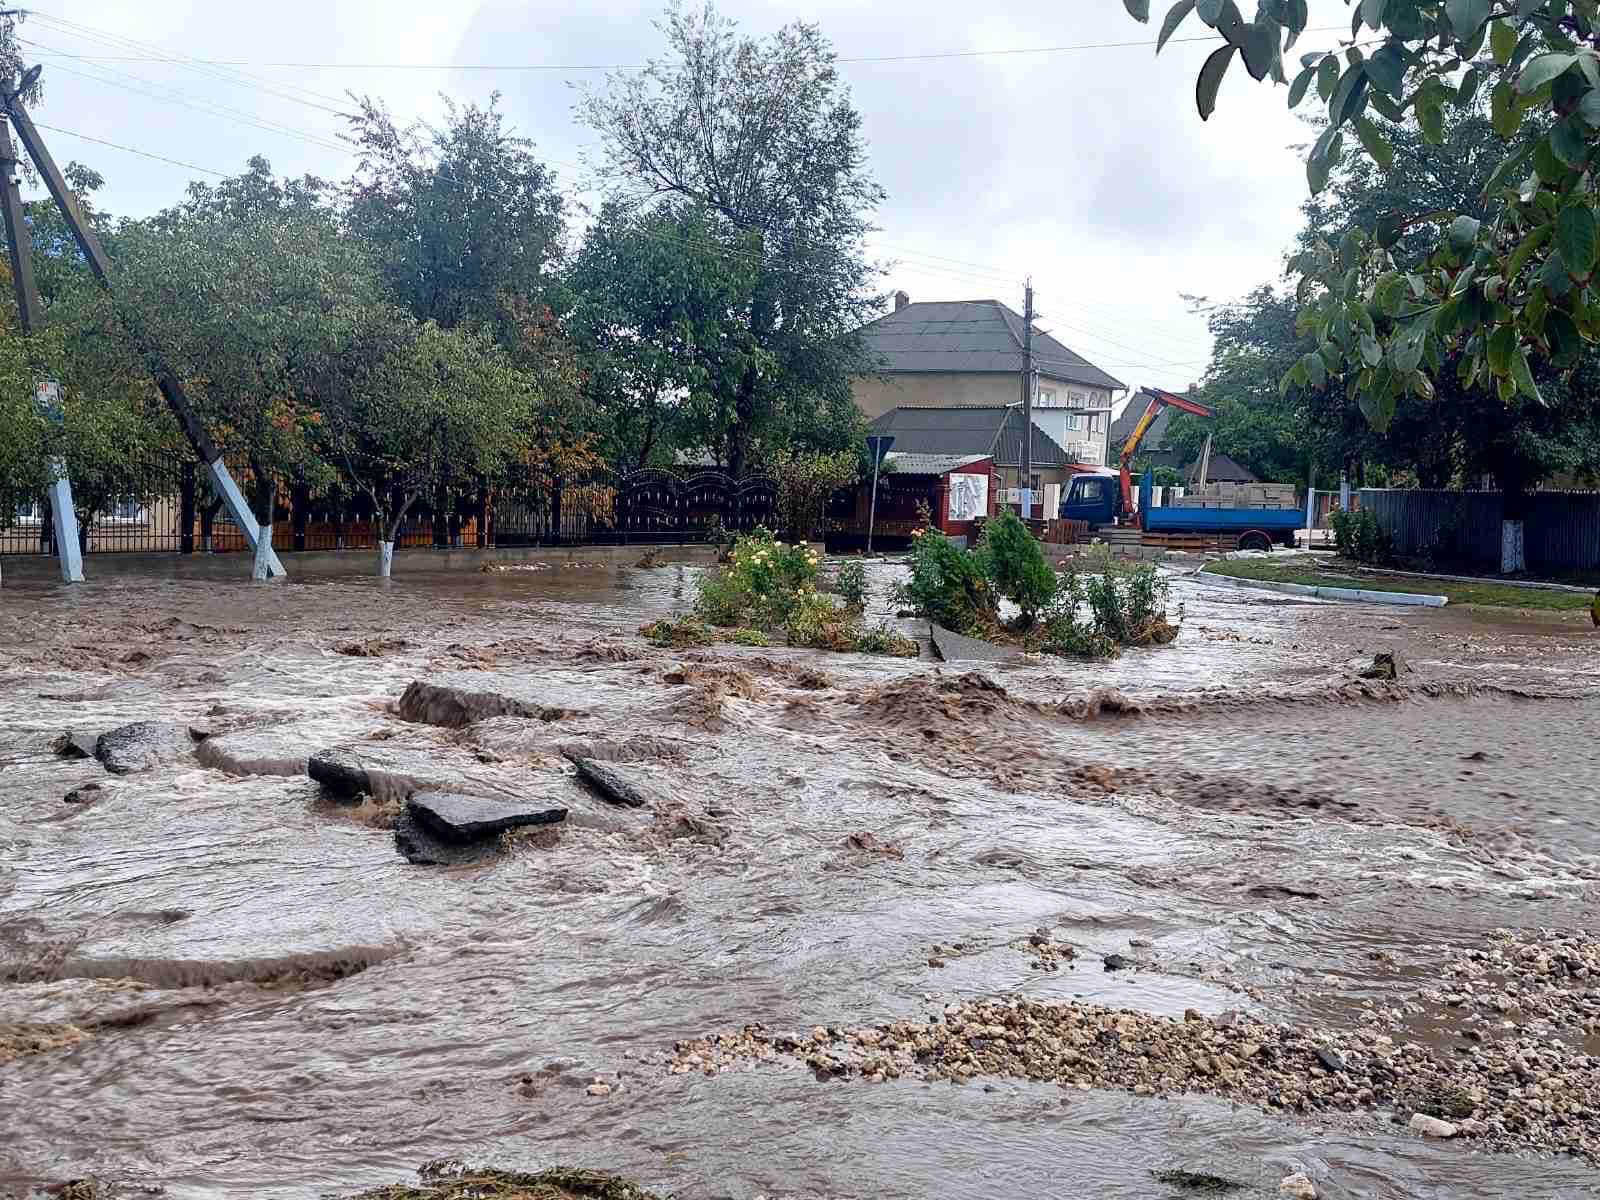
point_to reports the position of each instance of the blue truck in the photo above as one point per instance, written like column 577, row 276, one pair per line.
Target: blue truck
column 1094, row 499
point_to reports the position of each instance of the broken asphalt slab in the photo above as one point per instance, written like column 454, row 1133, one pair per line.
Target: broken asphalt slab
column 618, row 785
column 955, row 647
column 341, row 772
column 142, row 746
column 459, row 818
column 456, row 708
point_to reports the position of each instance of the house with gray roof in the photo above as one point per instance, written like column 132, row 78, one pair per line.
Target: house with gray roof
column 968, row 353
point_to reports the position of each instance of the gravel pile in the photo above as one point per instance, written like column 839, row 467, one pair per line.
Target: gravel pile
column 1517, row 1092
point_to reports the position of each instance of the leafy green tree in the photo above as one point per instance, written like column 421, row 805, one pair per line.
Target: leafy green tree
column 760, row 133
column 658, row 297
column 412, row 410
column 462, row 219
column 246, row 290
column 1499, row 291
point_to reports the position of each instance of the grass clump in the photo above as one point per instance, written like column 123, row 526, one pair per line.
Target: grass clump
column 884, row 639
column 749, row 637
column 850, row 584
column 448, row 1179
column 676, row 635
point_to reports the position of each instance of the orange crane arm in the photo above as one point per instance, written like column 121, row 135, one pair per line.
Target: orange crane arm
column 1158, row 400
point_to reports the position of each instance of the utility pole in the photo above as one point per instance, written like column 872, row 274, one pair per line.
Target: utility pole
column 30, row 312
column 1026, row 481
column 266, row 560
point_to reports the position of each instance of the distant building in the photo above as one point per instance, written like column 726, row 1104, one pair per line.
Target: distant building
column 1155, row 451
column 954, row 490
column 968, row 354
column 992, row 431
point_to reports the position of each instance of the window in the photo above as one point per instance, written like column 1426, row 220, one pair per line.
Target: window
column 1091, row 491
column 1075, row 422
column 28, row 513
column 127, row 510
column 1047, row 397
column 1080, row 399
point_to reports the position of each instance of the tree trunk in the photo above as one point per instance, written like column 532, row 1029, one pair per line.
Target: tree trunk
column 1514, row 504
column 389, row 531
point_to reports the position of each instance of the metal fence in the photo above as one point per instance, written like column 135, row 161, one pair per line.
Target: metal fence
column 166, row 506
column 1561, row 530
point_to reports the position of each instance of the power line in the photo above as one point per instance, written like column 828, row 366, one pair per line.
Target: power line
column 129, row 149
column 930, row 56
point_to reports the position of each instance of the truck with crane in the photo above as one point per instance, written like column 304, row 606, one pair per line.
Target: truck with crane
column 1254, row 517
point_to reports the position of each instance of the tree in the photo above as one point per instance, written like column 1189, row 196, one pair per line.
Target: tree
column 1500, row 291
column 411, row 410
column 246, row 290
column 762, row 135
column 658, row 297
column 462, row 219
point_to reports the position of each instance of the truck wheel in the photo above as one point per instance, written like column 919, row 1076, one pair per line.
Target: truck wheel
column 1254, row 540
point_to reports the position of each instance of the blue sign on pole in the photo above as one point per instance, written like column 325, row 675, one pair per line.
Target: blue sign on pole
column 879, row 444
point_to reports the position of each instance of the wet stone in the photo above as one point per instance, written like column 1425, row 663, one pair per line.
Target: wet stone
column 73, row 744
column 461, row 818
column 87, row 794
column 1116, row 962
column 341, row 772
column 1387, row 665
column 142, row 746
column 1297, row 1187
column 456, row 708
column 419, row 844
column 1431, row 1126
column 614, row 784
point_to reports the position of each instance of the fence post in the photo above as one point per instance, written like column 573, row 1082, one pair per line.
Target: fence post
column 186, row 506
column 441, row 535
column 555, row 510
column 300, row 498
column 483, row 514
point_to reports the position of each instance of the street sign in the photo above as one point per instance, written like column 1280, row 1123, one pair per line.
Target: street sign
column 47, row 396
column 878, row 445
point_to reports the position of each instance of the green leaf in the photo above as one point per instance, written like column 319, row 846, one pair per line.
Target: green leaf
column 1169, row 25
column 1371, row 352
column 1576, row 237
column 1302, row 81
column 1566, row 343
column 1466, row 16
column 1542, row 70
column 1372, row 12
column 1387, row 68
column 1504, row 111
column 1548, row 163
column 1506, row 167
column 1139, row 10
column 1526, row 8
column 1554, row 275
column 1205, row 88
column 1375, row 143
column 1381, row 102
column 1463, row 232
column 1590, row 66
column 1520, row 256
column 1328, row 76
column 1570, row 143
column 1502, row 344
column 1296, row 14
column 1502, row 41
column 1469, row 87
column 1377, row 405
column 1258, row 46
column 1210, row 11
column 1347, row 101
column 1522, row 373
column 1589, row 109
column 1430, row 116
column 1316, row 371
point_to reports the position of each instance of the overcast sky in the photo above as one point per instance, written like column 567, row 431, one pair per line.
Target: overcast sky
column 1087, row 169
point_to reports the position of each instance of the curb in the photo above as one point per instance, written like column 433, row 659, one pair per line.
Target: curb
column 1409, row 599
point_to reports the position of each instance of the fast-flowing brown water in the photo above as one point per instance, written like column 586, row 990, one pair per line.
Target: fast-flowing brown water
column 279, row 1005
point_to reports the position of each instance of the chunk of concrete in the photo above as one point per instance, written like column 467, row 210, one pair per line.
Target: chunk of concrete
column 955, row 647
column 73, row 744
column 142, row 746
column 456, row 708
column 458, row 818
column 615, row 785
column 341, row 772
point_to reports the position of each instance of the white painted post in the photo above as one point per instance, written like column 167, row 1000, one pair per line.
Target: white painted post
column 264, row 558
column 234, row 501
column 1344, row 493
column 65, row 519
column 1311, row 508
column 1513, row 549
column 385, row 559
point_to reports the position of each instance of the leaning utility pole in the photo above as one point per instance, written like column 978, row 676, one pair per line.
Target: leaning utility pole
column 63, row 513
column 267, row 561
column 1026, row 482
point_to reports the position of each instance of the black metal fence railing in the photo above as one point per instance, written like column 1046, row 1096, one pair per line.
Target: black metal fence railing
column 167, row 506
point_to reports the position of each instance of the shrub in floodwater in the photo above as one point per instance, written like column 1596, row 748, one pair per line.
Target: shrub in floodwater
column 883, row 639
column 760, row 585
column 947, row 585
column 1066, row 631
column 817, row 623
column 1013, row 562
column 676, row 635
column 749, row 637
column 850, row 584
column 1129, row 607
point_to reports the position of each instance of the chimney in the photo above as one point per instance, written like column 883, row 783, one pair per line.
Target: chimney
column 901, row 299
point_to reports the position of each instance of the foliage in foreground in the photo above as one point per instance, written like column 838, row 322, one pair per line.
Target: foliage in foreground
column 1088, row 612
column 769, row 589
column 1358, row 537
column 448, row 1179
column 1506, row 289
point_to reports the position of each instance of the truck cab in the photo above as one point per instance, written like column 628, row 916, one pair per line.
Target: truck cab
column 1091, row 498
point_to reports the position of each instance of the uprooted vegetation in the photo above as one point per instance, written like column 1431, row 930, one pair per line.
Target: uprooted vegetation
column 767, row 593
column 448, row 1179
column 1092, row 610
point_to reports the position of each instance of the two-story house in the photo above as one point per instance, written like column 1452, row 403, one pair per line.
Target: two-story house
column 968, row 353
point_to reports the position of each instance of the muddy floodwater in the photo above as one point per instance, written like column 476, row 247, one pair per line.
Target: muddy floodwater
column 218, row 981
